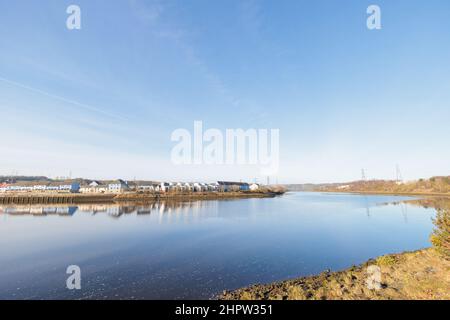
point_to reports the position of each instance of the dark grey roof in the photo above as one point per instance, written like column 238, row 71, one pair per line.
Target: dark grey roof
column 230, row 183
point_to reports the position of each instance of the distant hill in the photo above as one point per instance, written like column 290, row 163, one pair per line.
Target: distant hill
column 308, row 186
column 440, row 184
column 39, row 180
column 13, row 179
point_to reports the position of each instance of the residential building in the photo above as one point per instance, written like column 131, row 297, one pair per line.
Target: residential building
column 118, row 187
column 227, row 186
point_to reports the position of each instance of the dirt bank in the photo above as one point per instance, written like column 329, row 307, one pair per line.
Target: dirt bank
column 422, row 274
column 388, row 193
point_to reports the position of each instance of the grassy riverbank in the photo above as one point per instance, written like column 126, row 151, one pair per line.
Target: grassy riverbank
column 392, row 193
column 423, row 274
column 434, row 186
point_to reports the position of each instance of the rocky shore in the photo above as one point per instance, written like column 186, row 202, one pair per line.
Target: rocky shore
column 419, row 275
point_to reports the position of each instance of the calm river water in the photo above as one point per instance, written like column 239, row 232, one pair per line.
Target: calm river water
column 183, row 250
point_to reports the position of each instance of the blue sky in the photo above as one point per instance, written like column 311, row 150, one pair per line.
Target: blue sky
column 102, row 102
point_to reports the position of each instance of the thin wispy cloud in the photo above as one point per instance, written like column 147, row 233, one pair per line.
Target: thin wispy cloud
column 151, row 12
column 147, row 12
column 69, row 101
column 251, row 16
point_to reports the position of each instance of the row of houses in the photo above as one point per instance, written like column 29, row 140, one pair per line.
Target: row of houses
column 121, row 186
column 178, row 187
column 220, row 186
column 118, row 186
column 67, row 188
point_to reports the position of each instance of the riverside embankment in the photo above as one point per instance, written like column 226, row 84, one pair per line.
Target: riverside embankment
column 419, row 275
column 76, row 198
column 391, row 193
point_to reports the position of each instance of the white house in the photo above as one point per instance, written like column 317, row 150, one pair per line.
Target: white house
column 99, row 189
column 94, row 184
column 19, row 188
column 146, row 188
column 118, row 187
column 179, row 186
column 254, row 187
column 187, row 187
column 165, row 187
column 94, row 187
column 73, row 188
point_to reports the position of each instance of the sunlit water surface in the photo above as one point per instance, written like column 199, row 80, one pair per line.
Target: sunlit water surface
column 198, row 249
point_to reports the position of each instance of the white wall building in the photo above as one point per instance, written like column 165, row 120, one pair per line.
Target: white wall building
column 73, row 188
column 118, row 187
column 146, row 188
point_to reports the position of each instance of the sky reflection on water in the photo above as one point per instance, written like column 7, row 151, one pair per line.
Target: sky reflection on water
column 179, row 250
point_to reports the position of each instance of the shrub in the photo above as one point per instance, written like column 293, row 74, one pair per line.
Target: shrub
column 295, row 292
column 440, row 238
column 247, row 296
column 385, row 261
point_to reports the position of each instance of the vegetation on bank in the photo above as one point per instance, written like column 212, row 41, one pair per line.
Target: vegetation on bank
column 423, row 274
column 441, row 234
column 434, row 185
column 440, row 237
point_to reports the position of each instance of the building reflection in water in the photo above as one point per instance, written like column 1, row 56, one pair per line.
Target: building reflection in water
column 166, row 211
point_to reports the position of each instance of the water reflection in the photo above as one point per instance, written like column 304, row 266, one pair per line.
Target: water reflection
column 195, row 249
column 115, row 210
column 39, row 211
column 173, row 207
column 165, row 210
column 366, row 200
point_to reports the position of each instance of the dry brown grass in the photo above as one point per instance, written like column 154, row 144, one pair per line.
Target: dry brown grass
column 423, row 274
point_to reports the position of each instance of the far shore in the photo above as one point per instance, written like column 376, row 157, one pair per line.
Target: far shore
column 413, row 194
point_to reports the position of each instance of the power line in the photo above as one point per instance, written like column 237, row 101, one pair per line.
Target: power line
column 398, row 173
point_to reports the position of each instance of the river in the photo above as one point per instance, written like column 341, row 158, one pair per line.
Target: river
column 195, row 250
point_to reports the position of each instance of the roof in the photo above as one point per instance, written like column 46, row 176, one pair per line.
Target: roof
column 44, row 183
column 118, row 181
column 230, row 183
